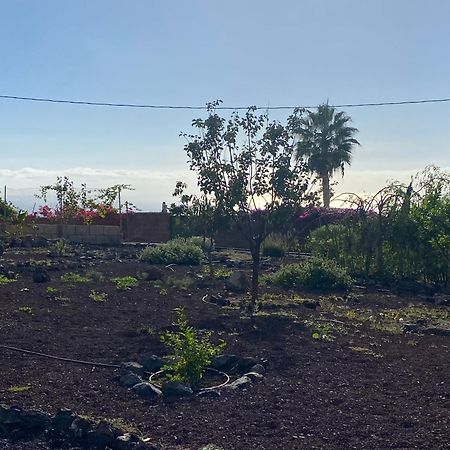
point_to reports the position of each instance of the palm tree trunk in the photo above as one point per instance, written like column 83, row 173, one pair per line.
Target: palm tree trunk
column 326, row 190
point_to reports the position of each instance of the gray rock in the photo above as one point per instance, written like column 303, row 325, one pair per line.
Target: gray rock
column 209, row 393
column 80, row 427
column 40, row 276
column 211, row 447
column 134, row 367
column 151, row 363
column 176, row 389
column 437, row 331
column 258, row 368
column 245, row 363
column 224, row 362
column 102, row 436
column 241, row 383
column 237, row 282
column 130, row 441
column 62, row 420
column 219, row 300
column 254, row 376
column 147, row 391
column 152, row 274
column 130, row 379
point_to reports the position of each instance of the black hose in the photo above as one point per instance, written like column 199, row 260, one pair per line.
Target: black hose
column 59, row 358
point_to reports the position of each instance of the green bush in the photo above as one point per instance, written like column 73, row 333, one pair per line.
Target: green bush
column 315, row 273
column 191, row 354
column 205, row 244
column 274, row 246
column 125, row 283
column 176, row 251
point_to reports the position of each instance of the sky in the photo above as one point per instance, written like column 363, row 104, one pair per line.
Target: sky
column 179, row 52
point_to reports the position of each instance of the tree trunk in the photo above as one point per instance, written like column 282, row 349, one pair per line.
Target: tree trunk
column 256, row 248
column 326, row 190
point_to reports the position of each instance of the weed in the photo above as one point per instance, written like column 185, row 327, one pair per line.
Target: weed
column 62, row 248
column 163, row 291
column 72, row 277
column 18, row 389
column 98, row 297
column 179, row 283
column 6, row 280
column 25, row 309
column 125, row 283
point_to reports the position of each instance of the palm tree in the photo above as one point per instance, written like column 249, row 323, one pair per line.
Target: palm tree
column 326, row 142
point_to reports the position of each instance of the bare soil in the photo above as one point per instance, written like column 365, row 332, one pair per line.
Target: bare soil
column 368, row 388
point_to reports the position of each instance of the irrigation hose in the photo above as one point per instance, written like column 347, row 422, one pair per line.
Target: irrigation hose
column 114, row 366
column 59, row 358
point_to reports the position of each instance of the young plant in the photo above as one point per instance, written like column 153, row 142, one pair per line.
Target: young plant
column 25, row 309
column 98, row 297
column 6, row 280
column 191, row 354
column 72, row 277
column 125, row 283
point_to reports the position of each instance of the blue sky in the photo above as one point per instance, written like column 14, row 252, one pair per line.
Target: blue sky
column 190, row 52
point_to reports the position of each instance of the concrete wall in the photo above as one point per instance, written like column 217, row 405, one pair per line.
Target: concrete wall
column 80, row 234
column 147, row 227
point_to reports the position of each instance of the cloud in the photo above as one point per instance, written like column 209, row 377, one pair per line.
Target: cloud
column 90, row 172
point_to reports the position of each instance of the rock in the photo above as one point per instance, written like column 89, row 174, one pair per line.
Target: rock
column 211, row 447
column 40, row 276
column 22, row 424
column 219, row 300
column 310, row 304
column 147, row 391
column 80, row 428
column 103, row 436
column 151, row 363
column 176, row 389
column 153, row 274
column 134, row 367
column 130, row 441
column 241, row 383
column 62, row 420
column 258, row 368
column 244, row 364
column 130, row 379
column 224, row 362
column 209, row 393
column 254, row 376
column 437, row 331
column 412, row 328
column 237, row 282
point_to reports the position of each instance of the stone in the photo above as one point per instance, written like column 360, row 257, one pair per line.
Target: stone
column 310, row 304
column 147, row 391
column 176, row 389
column 151, row 363
column 40, row 276
column 254, row 376
column 211, row 447
column 437, row 331
column 129, row 379
column 134, row 367
column 224, row 362
column 153, row 274
column 237, row 282
column 241, row 383
column 219, row 300
column 245, row 363
column 130, row 441
column 62, row 420
column 209, row 393
column 80, row 427
column 102, row 436
column 258, row 368
column 412, row 328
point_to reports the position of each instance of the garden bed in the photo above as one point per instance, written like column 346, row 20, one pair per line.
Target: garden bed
column 342, row 373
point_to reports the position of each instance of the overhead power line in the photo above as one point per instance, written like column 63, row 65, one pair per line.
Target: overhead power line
column 231, row 108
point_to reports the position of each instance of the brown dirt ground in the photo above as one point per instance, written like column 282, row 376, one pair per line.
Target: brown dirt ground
column 316, row 395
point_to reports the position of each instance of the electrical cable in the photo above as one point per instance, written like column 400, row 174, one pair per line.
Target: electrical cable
column 231, row 108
